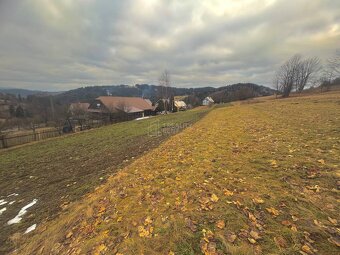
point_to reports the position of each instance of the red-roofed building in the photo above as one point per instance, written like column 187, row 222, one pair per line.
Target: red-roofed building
column 120, row 108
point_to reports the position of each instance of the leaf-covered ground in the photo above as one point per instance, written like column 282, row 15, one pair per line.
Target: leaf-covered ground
column 259, row 178
column 61, row 170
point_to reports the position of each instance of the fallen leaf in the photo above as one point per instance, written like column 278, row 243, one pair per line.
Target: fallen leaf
column 273, row 163
column 334, row 240
column 307, row 249
column 255, row 235
column 220, row 224
column 214, row 198
column 321, row 161
column 238, row 204
column 294, row 228
column 318, row 223
column 286, row 223
column 315, row 188
column 101, row 209
column 228, row 192
column 69, row 234
column 147, row 220
column 333, row 221
column 251, row 240
column 145, row 232
column 208, row 248
column 251, row 217
column 294, row 218
column 99, row 249
column 258, row 200
column 273, row 211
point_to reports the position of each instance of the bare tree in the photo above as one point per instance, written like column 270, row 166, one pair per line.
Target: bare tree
column 295, row 73
column 287, row 74
column 164, row 82
column 333, row 63
column 307, row 69
column 330, row 71
column 77, row 110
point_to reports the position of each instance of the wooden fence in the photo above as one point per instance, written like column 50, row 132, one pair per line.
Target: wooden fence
column 9, row 140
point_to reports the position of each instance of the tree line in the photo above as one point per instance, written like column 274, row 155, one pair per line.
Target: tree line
column 295, row 73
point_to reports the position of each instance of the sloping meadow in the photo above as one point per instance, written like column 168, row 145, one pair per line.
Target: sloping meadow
column 41, row 179
column 248, row 179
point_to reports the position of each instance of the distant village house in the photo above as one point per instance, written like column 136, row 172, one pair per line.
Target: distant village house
column 180, row 106
column 208, row 101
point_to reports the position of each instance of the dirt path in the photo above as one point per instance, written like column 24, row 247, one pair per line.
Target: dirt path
column 248, row 179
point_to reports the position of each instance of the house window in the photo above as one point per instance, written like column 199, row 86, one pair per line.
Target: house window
column 98, row 105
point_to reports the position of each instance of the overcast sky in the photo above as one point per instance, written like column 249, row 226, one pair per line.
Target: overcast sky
column 64, row 44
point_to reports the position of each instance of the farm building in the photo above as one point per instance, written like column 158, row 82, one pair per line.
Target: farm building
column 120, row 108
column 180, row 105
column 207, row 101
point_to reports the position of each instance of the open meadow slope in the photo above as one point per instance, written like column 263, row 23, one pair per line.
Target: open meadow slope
column 58, row 171
column 252, row 178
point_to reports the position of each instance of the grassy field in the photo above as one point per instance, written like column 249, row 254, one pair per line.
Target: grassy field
column 259, row 177
column 61, row 170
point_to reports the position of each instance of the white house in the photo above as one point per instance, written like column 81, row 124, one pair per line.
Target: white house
column 207, row 101
column 180, row 105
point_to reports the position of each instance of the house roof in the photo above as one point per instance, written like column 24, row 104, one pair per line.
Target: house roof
column 180, row 104
column 128, row 104
column 209, row 99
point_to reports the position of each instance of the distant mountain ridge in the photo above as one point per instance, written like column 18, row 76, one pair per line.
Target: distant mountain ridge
column 226, row 93
column 26, row 92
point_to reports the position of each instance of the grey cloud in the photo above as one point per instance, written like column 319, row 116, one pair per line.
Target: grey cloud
column 65, row 44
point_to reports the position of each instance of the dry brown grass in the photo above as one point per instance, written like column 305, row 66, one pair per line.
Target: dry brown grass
column 269, row 168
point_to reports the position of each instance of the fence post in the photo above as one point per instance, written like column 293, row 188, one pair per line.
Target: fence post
column 34, row 133
column 3, row 141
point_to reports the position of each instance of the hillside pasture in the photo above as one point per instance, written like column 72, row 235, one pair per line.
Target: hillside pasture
column 61, row 170
column 257, row 178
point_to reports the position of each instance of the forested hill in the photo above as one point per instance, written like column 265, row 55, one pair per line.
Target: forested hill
column 240, row 91
column 139, row 90
column 153, row 92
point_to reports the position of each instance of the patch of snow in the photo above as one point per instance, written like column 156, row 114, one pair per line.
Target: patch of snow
column 12, row 202
column 142, row 118
column 3, row 202
column 2, row 210
column 31, row 228
column 23, row 210
column 13, row 194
